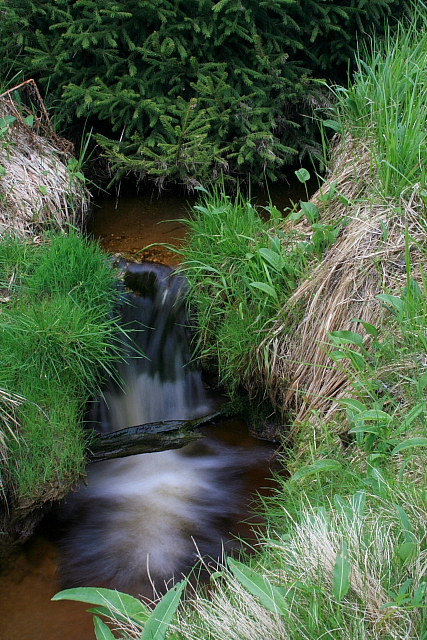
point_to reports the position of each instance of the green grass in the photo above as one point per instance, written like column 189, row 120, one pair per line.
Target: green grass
column 344, row 552
column 343, row 556
column 348, row 569
column 241, row 271
column 58, row 336
column 386, row 104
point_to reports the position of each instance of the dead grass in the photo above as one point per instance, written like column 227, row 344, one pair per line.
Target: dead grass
column 9, row 402
column 367, row 259
column 37, row 190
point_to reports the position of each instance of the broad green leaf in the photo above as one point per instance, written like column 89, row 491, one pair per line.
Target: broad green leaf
column 419, row 594
column 2, row 170
column 345, row 201
column 267, row 288
column 140, row 618
column 411, row 416
column 320, row 466
column 6, row 121
column 366, row 428
column 43, row 189
column 346, row 337
column 157, row 624
column 352, row 403
column 296, row 215
column 358, row 501
column 277, row 245
column 373, row 414
column 393, row 301
column 376, row 479
column 342, row 506
column 412, row 291
column 310, row 211
column 369, row 328
column 29, row 120
column 338, row 355
column 259, row 586
column 102, row 632
column 303, row 175
column 341, row 573
column 409, row 443
column 406, row 524
column 112, row 600
column 273, row 258
column 334, row 125
column 357, row 360
column 405, row 588
column 407, row 550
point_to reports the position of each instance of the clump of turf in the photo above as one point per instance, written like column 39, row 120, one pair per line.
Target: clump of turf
column 58, row 336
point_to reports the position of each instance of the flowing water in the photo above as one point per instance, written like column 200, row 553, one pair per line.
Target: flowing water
column 140, row 521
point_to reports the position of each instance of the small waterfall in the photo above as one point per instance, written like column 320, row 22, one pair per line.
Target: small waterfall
column 140, row 521
column 163, row 385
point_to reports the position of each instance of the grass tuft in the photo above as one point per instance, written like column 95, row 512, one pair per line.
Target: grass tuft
column 58, row 337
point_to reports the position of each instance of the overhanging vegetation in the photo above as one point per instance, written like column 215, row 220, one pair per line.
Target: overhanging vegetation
column 187, row 91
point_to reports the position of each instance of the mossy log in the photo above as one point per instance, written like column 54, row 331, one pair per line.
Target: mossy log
column 148, row 438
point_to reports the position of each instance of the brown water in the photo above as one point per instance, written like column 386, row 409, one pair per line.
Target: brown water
column 25, row 591
column 131, row 224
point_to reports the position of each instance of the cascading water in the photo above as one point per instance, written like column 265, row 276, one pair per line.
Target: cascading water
column 159, row 380
column 141, row 521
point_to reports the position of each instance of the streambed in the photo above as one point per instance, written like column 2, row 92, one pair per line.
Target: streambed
column 26, row 590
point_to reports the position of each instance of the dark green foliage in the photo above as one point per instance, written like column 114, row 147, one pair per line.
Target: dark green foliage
column 188, row 90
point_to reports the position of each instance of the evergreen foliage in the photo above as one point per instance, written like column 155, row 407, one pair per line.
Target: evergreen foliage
column 190, row 89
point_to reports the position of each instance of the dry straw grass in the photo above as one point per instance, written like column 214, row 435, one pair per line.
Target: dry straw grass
column 37, row 190
column 367, row 259
column 9, row 403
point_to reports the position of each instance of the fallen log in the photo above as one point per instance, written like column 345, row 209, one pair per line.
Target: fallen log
column 148, row 438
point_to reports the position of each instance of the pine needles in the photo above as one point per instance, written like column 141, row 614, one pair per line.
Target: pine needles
column 188, row 90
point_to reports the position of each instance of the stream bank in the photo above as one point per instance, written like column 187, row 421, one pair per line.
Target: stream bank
column 127, row 225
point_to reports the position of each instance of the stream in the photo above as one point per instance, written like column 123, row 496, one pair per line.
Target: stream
column 141, row 521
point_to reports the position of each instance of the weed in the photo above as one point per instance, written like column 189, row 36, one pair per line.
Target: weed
column 387, row 103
